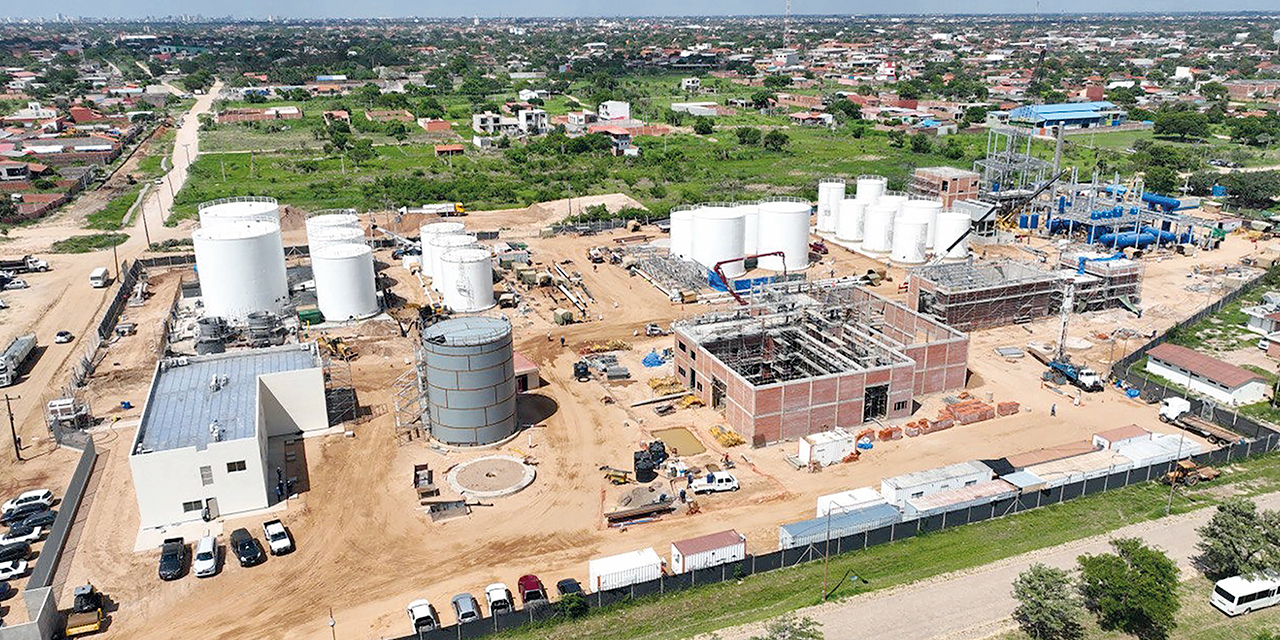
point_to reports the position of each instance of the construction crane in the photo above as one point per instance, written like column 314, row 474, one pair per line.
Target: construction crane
column 728, row 285
column 1061, row 370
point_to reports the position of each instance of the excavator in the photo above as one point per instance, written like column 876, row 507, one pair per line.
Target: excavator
column 335, row 347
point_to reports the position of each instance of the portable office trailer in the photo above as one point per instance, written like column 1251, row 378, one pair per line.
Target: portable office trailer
column 898, row 489
column 826, row 447
column 836, row 525
column 708, row 551
column 959, row 498
column 849, row 500
column 624, row 569
column 1081, row 467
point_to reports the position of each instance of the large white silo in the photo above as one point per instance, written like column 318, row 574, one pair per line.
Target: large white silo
column 784, row 226
column 849, row 224
column 425, row 233
column 895, row 200
column 440, row 245
column 720, row 234
column 239, row 208
column 952, row 225
column 332, row 218
column 830, row 194
column 345, row 287
column 751, row 215
column 324, row 236
column 241, row 268
column 927, row 209
column 870, row 188
column 877, row 228
column 682, row 233
column 909, row 239
column 467, row 279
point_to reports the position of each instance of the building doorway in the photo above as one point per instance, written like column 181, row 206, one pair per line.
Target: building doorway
column 717, row 393
column 875, row 402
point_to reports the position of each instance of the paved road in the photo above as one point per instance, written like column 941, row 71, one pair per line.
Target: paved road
column 977, row 603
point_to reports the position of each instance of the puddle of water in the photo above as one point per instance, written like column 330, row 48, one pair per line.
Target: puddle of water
column 680, row 439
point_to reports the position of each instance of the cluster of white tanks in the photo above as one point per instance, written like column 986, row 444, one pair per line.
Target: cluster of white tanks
column 342, row 265
column 240, row 258
column 461, row 270
column 725, row 233
column 905, row 229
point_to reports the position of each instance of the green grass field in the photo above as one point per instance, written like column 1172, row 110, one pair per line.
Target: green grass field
column 93, row 242
column 112, row 216
column 1118, row 142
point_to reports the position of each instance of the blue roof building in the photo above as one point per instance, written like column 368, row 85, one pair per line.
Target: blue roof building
column 1072, row 115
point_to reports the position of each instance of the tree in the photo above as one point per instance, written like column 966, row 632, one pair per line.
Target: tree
column 572, row 605
column 361, row 151
column 920, row 143
column 702, row 126
column 1213, row 90
column 1184, row 124
column 1233, row 542
column 789, row 627
column 777, row 82
column 749, row 136
column 1254, row 190
column 775, row 140
column 1048, row 604
column 845, row 109
column 761, row 99
column 897, row 138
column 7, row 210
column 1160, row 179
column 1134, row 590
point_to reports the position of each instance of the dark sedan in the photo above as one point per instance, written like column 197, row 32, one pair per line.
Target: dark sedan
column 247, row 548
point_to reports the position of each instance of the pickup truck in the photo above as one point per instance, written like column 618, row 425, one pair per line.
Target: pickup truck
column 173, row 558
column 714, row 482
column 277, row 537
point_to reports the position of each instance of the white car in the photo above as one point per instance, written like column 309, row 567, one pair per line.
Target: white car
column 422, row 615
column 158, row 181
column 30, row 536
column 12, row 569
column 35, row 496
column 206, row 560
column 499, row 598
column 15, row 284
column 277, row 537
column 714, row 482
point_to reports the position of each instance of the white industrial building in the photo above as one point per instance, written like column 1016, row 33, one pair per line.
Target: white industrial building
column 1206, row 375
column 710, row 550
column 899, row 489
column 202, row 443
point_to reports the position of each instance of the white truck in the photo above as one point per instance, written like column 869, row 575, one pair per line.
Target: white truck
column 25, row 264
column 422, row 615
column 99, row 277
column 14, row 357
column 1177, row 412
column 714, row 482
column 277, row 537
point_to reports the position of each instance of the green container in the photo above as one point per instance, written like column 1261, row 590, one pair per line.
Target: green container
column 310, row 316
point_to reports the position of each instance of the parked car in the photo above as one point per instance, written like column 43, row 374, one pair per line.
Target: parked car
column 22, row 534
column 15, row 284
column 12, row 569
column 714, row 482
column 277, row 537
column 63, row 337
column 499, row 598
column 248, row 549
column 173, row 558
column 43, row 497
column 206, row 562
column 158, row 181
column 39, row 519
column 465, row 608
column 15, row 551
column 568, row 586
column 422, row 615
column 531, row 589
column 18, row 514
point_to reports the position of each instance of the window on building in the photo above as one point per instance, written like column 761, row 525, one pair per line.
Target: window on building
column 194, row 505
column 693, row 355
column 970, row 483
column 680, row 371
column 682, row 347
column 900, row 405
column 233, row 467
column 206, row 475
column 918, row 494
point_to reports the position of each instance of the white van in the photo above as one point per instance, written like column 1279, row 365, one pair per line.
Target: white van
column 99, row 277
column 1237, row 595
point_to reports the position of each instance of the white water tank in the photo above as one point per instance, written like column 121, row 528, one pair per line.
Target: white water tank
column 345, row 288
column 784, row 226
column 332, row 218
column 682, row 233
column 877, row 228
column 467, row 279
column 238, row 209
column 720, row 234
column 440, row 245
column 952, row 225
column 894, row 200
column 830, row 194
column 426, row 231
column 241, row 268
column 927, row 209
column 325, row 236
column 751, row 239
column 870, row 188
column 909, row 239
column 849, row 224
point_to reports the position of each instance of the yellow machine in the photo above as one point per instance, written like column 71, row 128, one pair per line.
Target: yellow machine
column 1189, row 473
column 335, row 347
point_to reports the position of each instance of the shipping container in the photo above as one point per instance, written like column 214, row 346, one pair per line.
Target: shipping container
column 837, row 525
column 624, row 569
column 708, row 551
column 827, row 447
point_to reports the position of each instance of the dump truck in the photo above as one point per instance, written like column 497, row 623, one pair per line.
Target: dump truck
column 25, row 264
column 1188, row 473
column 86, row 615
column 14, row 357
column 1177, row 412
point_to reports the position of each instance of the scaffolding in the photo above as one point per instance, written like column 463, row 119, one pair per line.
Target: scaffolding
column 1008, row 169
column 409, row 409
column 968, row 295
column 339, row 390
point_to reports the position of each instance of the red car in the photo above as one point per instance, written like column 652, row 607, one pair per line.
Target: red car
column 531, row 589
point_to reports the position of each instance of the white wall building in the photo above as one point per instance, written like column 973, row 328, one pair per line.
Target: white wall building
column 614, row 110
column 203, row 438
column 899, row 489
column 1206, row 375
column 690, row 84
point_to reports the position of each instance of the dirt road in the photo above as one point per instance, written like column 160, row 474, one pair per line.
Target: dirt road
column 969, row 605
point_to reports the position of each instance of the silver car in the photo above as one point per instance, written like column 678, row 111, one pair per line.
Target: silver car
column 465, row 608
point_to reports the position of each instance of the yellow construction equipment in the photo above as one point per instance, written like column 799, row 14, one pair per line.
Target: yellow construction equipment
column 1189, row 473
column 616, row 476
column 725, row 437
column 335, row 347
column 690, row 401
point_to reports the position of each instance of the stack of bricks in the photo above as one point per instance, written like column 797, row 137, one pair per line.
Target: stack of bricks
column 1007, row 408
column 971, row 411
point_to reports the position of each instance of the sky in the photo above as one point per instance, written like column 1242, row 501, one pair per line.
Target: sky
column 589, row 8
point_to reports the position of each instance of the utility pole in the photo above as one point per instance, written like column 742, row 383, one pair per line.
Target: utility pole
column 13, row 430
column 826, row 555
column 332, row 625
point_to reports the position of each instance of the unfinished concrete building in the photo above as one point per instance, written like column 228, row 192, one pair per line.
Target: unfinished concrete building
column 1115, row 281
column 809, row 357
column 968, row 295
column 948, row 184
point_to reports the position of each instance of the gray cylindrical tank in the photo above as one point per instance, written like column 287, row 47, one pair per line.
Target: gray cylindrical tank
column 470, row 378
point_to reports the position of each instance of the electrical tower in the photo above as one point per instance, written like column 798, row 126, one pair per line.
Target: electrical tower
column 786, row 26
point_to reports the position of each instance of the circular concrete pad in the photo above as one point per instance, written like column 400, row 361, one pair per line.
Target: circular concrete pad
column 491, row 477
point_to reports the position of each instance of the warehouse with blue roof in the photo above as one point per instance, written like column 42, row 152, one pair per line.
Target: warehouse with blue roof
column 1070, row 115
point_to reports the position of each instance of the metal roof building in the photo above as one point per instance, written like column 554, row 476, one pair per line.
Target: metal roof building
column 1069, row 114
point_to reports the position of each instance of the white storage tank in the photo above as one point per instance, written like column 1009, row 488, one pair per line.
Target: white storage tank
column 895, row 200
column 241, row 268
column 720, row 234
column 909, row 238
column 325, row 236
column 345, row 288
column 877, row 228
column 849, row 224
column 952, row 225
column 332, row 218
column 751, row 239
column 467, row 279
column 830, row 194
column 870, row 188
column 928, row 210
column 425, row 233
column 784, row 226
column 440, row 245
column 682, row 233
column 238, row 209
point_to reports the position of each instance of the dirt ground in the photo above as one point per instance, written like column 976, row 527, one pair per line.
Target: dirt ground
column 366, row 549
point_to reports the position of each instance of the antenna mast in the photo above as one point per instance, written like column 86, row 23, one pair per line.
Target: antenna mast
column 786, row 26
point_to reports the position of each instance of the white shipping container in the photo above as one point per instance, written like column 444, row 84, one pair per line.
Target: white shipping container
column 708, row 551
column 826, row 447
column 848, row 501
column 624, row 569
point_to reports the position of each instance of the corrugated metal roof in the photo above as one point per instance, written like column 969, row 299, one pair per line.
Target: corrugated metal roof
column 1024, row 480
column 1089, row 465
column 938, row 474
column 718, row 540
column 1049, row 454
column 1200, row 364
column 1127, row 432
column 941, row 499
column 844, row 523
